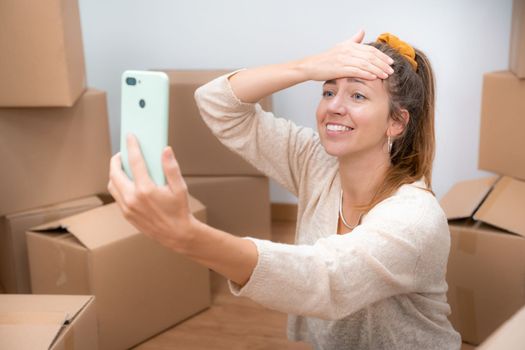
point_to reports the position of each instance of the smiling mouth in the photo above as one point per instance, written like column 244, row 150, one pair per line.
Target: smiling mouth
column 337, row 128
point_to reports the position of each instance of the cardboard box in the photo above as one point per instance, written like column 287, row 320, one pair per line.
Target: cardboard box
column 517, row 39
column 509, row 336
column 14, row 268
column 486, row 268
column 42, row 60
column 51, row 155
column 198, row 151
column 239, row 205
column 502, row 145
column 467, row 346
column 141, row 287
column 56, row 322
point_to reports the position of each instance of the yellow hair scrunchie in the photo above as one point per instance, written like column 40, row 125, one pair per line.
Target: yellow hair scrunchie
column 400, row 46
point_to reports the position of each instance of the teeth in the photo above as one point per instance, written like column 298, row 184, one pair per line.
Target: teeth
column 333, row 127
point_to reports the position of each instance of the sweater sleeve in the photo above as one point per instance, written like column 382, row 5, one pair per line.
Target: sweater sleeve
column 275, row 146
column 341, row 274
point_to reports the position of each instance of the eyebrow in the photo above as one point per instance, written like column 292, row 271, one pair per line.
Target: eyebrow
column 350, row 80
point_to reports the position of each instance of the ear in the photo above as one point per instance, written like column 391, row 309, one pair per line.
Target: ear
column 397, row 126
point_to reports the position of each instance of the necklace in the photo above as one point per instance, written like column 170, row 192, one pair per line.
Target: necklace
column 343, row 217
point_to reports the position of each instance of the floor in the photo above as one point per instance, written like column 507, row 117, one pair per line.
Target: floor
column 231, row 322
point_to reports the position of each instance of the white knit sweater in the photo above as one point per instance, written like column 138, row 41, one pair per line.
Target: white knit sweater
column 382, row 286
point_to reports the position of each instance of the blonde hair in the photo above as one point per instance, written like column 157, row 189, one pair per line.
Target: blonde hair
column 412, row 152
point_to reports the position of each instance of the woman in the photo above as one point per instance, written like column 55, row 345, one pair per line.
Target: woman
column 368, row 268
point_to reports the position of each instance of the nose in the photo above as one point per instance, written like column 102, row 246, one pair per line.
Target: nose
column 336, row 105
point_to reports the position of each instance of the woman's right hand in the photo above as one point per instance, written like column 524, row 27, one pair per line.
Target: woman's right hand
column 350, row 58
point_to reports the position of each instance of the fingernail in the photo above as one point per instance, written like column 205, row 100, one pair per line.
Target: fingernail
column 391, row 70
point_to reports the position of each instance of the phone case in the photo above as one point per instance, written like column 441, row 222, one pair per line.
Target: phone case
column 144, row 113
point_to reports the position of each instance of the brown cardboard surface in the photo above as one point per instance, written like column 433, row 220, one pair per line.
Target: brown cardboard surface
column 198, row 151
column 510, row 336
column 517, row 39
column 239, row 205
column 467, row 346
column 505, row 206
column 462, row 200
column 46, row 321
column 502, row 145
column 141, row 287
column 486, row 269
column 485, row 275
column 51, row 155
column 14, row 269
column 42, row 60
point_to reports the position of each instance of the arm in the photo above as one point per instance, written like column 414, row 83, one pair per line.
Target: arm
column 276, row 146
column 346, row 59
column 163, row 213
column 342, row 274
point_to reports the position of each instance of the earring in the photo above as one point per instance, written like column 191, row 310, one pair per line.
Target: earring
column 389, row 144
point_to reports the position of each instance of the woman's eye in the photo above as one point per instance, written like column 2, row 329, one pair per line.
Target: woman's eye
column 358, row 96
column 328, row 93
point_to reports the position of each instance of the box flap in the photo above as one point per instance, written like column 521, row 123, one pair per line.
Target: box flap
column 94, row 228
column 68, row 304
column 508, row 336
column 34, row 321
column 505, row 206
column 103, row 225
column 462, row 200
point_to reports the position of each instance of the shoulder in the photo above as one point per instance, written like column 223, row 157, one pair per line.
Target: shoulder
column 411, row 208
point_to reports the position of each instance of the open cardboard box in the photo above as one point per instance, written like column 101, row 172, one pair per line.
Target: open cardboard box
column 510, row 336
column 486, row 267
column 55, row 322
column 142, row 287
column 14, row 268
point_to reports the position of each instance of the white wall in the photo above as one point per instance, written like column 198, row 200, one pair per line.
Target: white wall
column 463, row 39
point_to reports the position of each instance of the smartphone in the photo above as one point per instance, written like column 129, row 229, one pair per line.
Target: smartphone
column 144, row 113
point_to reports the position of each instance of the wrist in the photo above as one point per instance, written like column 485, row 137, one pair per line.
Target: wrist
column 299, row 70
column 191, row 231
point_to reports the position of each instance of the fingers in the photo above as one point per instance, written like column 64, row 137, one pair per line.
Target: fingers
column 370, row 60
column 119, row 183
column 358, row 37
column 136, row 162
column 172, row 171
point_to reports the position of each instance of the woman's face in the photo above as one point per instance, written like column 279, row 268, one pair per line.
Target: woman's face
column 352, row 116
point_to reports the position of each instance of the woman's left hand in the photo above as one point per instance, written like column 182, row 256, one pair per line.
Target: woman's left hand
column 160, row 212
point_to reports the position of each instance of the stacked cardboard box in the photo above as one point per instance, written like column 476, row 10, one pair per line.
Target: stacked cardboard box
column 55, row 149
column 486, row 269
column 42, row 60
column 517, row 39
column 54, row 137
column 236, row 194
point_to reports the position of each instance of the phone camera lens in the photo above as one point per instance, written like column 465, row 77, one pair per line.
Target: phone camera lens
column 142, row 103
column 131, row 81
